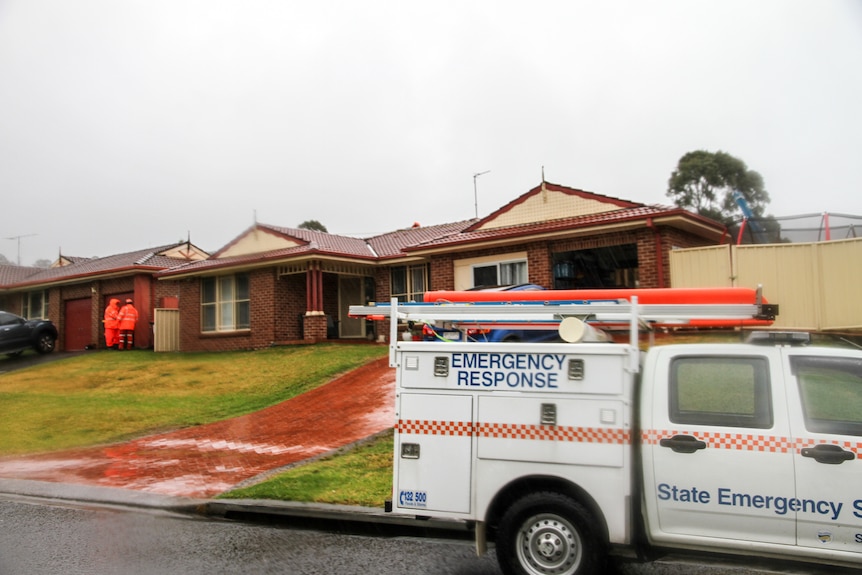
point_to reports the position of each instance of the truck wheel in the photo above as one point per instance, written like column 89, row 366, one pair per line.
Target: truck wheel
column 45, row 343
column 548, row 533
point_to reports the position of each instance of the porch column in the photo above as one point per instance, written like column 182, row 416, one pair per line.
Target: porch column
column 314, row 324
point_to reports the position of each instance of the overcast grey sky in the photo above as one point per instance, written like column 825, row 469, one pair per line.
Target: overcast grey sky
column 128, row 124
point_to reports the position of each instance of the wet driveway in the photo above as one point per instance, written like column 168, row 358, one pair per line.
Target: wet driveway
column 207, row 460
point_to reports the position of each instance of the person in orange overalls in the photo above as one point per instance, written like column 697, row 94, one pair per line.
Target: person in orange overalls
column 112, row 325
column 127, row 318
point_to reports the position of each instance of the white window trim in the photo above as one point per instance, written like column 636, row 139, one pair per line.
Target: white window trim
column 463, row 269
column 26, row 307
column 219, row 302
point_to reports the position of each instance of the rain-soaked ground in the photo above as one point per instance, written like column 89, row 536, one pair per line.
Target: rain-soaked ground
column 210, row 459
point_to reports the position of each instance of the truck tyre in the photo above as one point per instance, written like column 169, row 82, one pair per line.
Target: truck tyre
column 548, row 533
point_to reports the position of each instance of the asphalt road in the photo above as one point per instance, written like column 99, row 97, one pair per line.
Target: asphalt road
column 46, row 537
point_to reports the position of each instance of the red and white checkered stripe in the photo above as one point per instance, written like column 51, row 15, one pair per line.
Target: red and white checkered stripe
column 432, row 427
column 554, row 433
column 745, row 441
column 515, row 431
column 715, row 440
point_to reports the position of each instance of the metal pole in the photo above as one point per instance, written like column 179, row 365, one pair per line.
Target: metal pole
column 475, row 194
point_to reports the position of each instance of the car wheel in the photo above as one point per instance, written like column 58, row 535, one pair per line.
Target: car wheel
column 45, row 343
column 548, row 533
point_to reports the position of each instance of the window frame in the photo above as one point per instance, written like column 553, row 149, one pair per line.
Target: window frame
column 412, row 291
column 831, row 425
column 230, row 307
column 498, row 272
column 761, row 417
column 27, row 307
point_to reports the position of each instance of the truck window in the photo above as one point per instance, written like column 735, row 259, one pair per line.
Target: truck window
column 720, row 391
column 831, row 392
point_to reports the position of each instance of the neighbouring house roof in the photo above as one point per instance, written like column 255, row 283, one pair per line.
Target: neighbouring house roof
column 10, row 274
column 74, row 269
column 67, row 260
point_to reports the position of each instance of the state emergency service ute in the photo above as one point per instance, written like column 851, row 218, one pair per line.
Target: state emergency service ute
column 560, row 453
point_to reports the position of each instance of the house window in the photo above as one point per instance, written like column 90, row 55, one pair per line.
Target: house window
column 225, row 303
column 36, row 305
column 598, row 268
column 409, row 283
column 500, row 273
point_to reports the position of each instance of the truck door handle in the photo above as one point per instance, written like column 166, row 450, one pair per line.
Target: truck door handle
column 683, row 443
column 829, row 454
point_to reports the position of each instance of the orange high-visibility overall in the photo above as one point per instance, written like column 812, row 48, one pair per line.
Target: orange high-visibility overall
column 128, row 318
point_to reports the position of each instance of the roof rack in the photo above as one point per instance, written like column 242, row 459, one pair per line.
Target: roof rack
column 547, row 315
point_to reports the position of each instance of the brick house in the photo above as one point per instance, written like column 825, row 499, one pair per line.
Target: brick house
column 563, row 238
column 74, row 292
column 274, row 285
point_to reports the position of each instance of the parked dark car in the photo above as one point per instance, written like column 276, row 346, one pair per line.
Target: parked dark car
column 18, row 334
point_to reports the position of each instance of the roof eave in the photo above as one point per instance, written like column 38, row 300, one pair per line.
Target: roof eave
column 79, row 278
column 677, row 219
column 238, row 267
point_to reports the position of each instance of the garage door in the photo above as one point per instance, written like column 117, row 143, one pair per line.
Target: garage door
column 77, row 331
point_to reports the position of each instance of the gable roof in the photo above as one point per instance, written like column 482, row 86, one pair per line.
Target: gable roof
column 550, row 210
column 549, row 201
column 265, row 245
column 76, row 269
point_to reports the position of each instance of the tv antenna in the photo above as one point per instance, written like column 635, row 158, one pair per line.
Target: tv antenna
column 475, row 194
column 18, row 239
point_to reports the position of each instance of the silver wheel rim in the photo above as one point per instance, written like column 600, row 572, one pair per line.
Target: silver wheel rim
column 549, row 544
column 46, row 343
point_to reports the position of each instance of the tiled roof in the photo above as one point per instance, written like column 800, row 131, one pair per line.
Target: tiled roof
column 11, row 274
column 641, row 212
column 324, row 242
column 301, row 243
column 394, row 244
column 146, row 259
column 385, row 246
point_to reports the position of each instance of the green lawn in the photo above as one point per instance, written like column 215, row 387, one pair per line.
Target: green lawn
column 360, row 476
column 110, row 396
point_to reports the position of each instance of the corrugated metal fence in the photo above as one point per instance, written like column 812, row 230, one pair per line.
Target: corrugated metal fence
column 166, row 330
column 815, row 284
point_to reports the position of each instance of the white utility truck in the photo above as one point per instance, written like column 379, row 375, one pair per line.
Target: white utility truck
column 561, row 453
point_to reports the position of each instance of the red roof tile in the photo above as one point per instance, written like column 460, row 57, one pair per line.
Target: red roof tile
column 639, row 212
column 385, row 246
column 146, row 259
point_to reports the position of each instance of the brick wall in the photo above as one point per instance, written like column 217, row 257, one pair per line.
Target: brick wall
column 277, row 313
column 290, row 304
column 442, row 272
